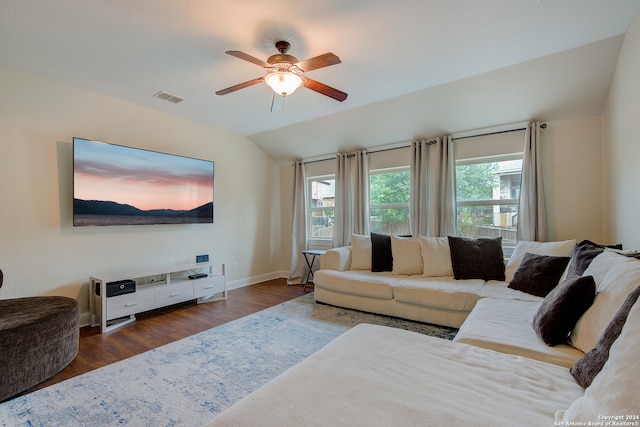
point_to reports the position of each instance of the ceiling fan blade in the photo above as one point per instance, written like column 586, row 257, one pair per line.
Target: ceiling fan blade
column 240, row 86
column 324, row 89
column 318, row 62
column 249, row 58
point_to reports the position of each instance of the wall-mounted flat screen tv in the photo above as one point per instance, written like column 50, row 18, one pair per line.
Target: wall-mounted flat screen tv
column 118, row 185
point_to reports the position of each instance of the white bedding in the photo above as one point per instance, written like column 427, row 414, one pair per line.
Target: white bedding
column 380, row 376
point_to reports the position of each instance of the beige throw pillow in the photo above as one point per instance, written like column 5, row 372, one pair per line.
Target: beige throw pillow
column 614, row 391
column 612, row 291
column 561, row 248
column 436, row 256
column 407, row 256
column 360, row 252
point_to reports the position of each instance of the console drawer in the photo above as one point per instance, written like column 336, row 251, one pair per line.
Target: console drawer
column 174, row 293
column 208, row 286
column 127, row 304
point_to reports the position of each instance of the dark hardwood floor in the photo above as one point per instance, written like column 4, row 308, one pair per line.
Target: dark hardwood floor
column 162, row 326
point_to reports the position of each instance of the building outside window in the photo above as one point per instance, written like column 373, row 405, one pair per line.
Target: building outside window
column 487, row 196
column 321, row 207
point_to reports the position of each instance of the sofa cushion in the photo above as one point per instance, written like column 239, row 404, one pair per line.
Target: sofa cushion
column 436, row 256
column 615, row 389
column 439, row 292
column 612, row 291
column 407, row 256
column 501, row 290
column 477, row 258
column 538, row 274
column 360, row 252
column 560, row 248
column 505, row 326
column 561, row 309
column 357, row 282
column 591, row 364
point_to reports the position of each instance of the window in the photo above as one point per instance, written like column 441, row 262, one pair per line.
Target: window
column 389, row 201
column 321, row 205
column 487, row 195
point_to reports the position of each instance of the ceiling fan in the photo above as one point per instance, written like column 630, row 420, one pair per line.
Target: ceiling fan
column 285, row 73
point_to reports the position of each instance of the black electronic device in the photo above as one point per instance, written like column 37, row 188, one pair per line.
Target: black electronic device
column 202, row 258
column 119, row 287
column 198, row 276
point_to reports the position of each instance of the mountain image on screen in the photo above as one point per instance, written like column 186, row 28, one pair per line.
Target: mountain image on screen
column 112, row 212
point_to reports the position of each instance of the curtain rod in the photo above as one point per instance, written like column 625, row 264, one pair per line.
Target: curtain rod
column 542, row 126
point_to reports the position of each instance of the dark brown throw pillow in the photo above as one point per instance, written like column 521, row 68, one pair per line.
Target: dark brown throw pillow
column 583, row 254
column 477, row 258
column 381, row 257
column 538, row 274
column 381, row 254
column 585, row 369
column 562, row 308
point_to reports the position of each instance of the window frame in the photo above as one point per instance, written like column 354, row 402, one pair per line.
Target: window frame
column 507, row 245
column 317, row 241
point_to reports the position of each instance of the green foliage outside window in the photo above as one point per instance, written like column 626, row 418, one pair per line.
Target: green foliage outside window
column 389, row 189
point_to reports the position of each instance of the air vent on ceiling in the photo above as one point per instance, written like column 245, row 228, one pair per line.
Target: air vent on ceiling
column 166, row 96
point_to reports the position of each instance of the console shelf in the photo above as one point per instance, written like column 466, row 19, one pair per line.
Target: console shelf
column 154, row 289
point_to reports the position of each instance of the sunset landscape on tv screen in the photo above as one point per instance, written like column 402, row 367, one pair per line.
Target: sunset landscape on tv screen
column 118, row 185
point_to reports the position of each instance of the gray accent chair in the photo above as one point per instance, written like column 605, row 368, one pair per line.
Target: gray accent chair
column 39, row 337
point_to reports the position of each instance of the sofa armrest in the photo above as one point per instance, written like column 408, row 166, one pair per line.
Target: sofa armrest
column 336, row 259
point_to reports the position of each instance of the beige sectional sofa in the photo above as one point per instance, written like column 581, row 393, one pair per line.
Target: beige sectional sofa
column 441, row 300
column 498, row 371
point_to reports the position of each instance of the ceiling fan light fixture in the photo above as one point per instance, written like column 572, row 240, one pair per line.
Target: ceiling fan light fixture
column 283, row 82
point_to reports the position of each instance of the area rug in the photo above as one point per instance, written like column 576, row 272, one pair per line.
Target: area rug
column 188, row 382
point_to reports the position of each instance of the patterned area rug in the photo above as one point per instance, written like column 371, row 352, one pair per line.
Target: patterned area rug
column 188, row 382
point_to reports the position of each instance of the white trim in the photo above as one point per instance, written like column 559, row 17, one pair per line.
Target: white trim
column 241, row 283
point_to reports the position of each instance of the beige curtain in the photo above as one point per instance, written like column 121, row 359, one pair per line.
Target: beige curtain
column 299, row 225
column 432, row 201
column 352, row 197
column 532, row 222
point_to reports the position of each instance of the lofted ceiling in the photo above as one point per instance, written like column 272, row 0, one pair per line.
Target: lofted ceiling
column 411, row 67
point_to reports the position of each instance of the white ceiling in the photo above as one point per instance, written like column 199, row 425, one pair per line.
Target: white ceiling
column 411, row 67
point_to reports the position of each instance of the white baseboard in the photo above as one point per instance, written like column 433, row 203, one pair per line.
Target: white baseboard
column 257, row 279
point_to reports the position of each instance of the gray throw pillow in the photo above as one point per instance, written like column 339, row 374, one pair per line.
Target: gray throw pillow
column 538, row 274
column 562, row 308
column 583, row 254
column 477, row 258
column 585, row 369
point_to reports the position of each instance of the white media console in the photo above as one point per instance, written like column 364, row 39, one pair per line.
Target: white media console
column 153, row 289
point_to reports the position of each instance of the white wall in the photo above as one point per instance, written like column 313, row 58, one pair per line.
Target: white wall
column 572, row 174
column 42, row 253
column 622, row 145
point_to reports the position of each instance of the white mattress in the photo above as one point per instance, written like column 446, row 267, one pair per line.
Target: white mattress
column 505, row 326
column 375, row 375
